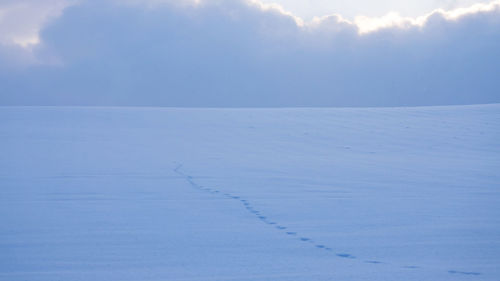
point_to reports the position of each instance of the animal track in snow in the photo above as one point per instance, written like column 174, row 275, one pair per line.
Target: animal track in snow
column 463, row 272
column 248, row 206
column 373, row 262
column 346, row 256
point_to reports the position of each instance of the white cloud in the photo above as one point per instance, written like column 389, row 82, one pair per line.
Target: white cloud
column 352, row 8
column 21, row 20
column 276, row 8
column 394, row 20
column 366, row 24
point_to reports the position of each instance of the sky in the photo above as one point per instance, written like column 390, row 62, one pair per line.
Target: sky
column 248, row 53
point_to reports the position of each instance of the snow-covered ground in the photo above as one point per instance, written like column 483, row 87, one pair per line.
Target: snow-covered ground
column 250, row 194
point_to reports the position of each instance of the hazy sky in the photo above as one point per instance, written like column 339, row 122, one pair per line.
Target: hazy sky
column 242, row 53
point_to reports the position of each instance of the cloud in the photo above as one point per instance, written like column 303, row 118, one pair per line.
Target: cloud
column 244, row 53
column 21, row 20
column 394, row 20
column 20, row 24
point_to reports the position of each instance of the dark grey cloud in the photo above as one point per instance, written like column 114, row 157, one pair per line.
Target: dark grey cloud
column 229, row 53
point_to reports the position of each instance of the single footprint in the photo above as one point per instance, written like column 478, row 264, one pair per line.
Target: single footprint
column 374, row 262
column 463, row 272
column 346, row 256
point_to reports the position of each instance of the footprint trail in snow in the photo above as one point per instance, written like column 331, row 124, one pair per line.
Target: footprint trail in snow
column 259, row 215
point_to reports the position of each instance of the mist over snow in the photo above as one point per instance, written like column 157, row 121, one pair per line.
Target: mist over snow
column 244, row 53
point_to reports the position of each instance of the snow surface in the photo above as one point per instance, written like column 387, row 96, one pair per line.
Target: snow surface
column 250, row 194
